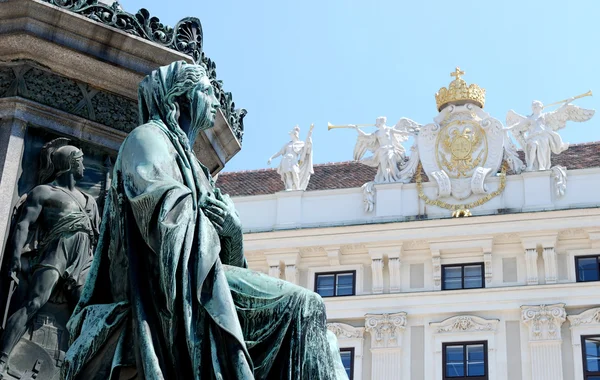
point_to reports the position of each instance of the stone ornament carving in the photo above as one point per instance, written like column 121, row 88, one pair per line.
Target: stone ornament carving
column 34, row 83
column 186, row 37
column 369, row 194
column 537, row 133
column 296, row 165
column 51, row 250
column 464, row 323
column 344, row 331
column 467, row 145
column 544, row 321
column 385, row 329
column 559, row 177
column 459, row 151
column 588, row 317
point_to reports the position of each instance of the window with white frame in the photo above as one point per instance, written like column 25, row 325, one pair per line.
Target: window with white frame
column 588, row 268
column 585, row 338
column 350, row 339
column 347, row 355
column 335, row 284
column 464, row 345
column 465, row 360
column 463, row 276
column 590, row 346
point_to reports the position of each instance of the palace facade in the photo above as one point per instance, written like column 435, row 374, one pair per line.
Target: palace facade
column 512, row 292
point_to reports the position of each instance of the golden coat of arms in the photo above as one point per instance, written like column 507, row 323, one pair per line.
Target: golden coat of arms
column 464, row 145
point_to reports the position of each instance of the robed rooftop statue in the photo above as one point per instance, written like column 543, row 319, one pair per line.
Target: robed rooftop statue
column 169, row 295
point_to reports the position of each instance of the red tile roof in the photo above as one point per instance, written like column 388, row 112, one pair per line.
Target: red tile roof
column 348, row 174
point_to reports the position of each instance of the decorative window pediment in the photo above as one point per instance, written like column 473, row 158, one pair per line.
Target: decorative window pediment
column 344, row 331
column 464, row 323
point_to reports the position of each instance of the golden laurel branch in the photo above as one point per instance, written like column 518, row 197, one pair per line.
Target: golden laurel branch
column 460, row 210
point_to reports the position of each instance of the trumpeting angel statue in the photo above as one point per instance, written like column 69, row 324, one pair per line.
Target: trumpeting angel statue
column 386, row 146
column 537, row 133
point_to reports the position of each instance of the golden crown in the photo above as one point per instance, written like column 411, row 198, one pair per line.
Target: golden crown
column 458, row 91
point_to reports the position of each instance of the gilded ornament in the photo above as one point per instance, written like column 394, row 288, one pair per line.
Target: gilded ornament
column 459, row 92
column 461, row 146
column 460, row 210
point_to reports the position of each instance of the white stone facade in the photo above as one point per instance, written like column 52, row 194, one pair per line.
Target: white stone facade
column 531, row 312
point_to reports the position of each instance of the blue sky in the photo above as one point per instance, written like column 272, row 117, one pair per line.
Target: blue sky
column 303, row 62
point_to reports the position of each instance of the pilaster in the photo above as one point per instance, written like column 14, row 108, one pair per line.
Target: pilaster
column 545, row 340
column 376, row 270
column 437, row 269
column 386, row 332
column 12, row 134
column 289, row 258
column 531, row 257
column 550, row 269
column 275, row 270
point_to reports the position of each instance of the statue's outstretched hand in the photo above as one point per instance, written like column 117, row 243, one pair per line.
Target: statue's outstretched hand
column 221, row 212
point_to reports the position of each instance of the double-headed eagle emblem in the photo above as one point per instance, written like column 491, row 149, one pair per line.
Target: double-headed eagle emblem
column 461, row 148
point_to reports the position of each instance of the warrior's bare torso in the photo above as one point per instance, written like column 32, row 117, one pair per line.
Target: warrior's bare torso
column 55, row 203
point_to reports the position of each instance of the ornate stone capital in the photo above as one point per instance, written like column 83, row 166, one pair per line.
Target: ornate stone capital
column 544, row 321
column 588, row 317
column 464, row 323
column 344, row 331
column 385, row 329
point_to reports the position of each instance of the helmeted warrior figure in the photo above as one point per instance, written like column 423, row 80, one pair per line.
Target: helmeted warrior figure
column 56, row 228
column 296, row 165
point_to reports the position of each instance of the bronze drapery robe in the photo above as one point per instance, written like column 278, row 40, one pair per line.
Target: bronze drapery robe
column 170, row 297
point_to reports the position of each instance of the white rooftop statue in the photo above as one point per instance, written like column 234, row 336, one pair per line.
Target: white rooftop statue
column 537, row 133
column 386, row 145
column 296, row 165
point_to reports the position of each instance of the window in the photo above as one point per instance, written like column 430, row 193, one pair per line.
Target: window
column 462, row 276
column 588, row 268
column 591, row 357
column 335, row 284
column 347, row 355
column 465, row 361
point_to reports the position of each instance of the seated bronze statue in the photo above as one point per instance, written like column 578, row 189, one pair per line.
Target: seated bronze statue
column 169, row 295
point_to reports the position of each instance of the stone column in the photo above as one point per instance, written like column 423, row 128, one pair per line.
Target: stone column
column 545, row 339
column 386, row 332
column 549, row 255
column 12, row 135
